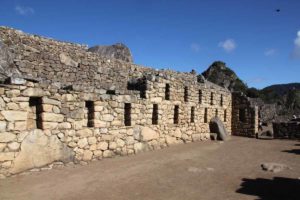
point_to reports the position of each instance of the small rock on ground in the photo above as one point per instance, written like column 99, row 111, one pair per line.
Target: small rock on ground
column 274, row 167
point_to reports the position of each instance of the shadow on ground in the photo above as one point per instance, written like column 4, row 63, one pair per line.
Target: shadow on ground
column 295, row 151
column 278, row 188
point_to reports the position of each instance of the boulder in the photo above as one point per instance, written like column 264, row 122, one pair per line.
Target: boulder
column 217, row 126
column 116, row 51
column 38, row 150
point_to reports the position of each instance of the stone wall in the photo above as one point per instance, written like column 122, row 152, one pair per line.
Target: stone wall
column 290, row 130
column 62, row 103
column 244, row 116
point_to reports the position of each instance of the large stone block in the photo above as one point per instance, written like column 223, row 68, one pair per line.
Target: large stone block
column 148, row 134
column 11, row 115
column 36, row 92
column 38, row 150
column 52, row 117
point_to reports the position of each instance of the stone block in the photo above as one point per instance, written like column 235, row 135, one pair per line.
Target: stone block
column 112, row 145
column 120, row 142
column 20, row 125
column 64, row 125
column 84, row 133
column 11, row 115
column 108, row 117
column 46, row 100
column 100, row 124
column 34, row 92
column 102, row 146
column 6, row 156
column 7, row 137
column 82, row 143
column 92, row 140
column 87, row 155
column 50, row 125
column 52, row 117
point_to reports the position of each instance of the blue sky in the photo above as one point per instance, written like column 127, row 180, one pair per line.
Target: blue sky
column 258, row 43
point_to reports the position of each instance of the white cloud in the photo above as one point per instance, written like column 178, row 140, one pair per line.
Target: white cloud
column 24, row 10
column 296, row 52
column 228, row 45
column 195, row 47
column 270, row 52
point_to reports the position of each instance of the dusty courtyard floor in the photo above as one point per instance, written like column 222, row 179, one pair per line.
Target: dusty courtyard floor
column 202, row 170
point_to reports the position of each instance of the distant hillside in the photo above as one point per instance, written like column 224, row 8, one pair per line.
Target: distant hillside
column 286, row 97
column 222, row 75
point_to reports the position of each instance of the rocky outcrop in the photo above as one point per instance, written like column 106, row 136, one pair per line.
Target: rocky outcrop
column 116, row 51
column 222, row 75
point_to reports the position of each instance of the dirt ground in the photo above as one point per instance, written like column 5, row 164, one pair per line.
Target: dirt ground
column 201, row 170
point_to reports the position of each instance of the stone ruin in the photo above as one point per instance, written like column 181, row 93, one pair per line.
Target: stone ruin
column 61, row 103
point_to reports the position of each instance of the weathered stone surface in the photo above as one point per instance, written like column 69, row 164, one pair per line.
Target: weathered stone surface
column 117, row 51
column 139, row 147
column 2, row 146
column 34, row 148
column 102, row 146
column 50, row 125
column 67, row 60
column 82, row 143
column 6, row 156
column 107, row 154
column 171, row 140
column 52, row 117
column 84, row 133
column 108, row 117
column 36, row 92
column 2, row 126
column 87, row 155
column 148, row 134
column 112, row 145
column 7, row 137
column 217, row 126
column 64, row 125
column 92, row 140
column 11, row 115
column 14, row 146
column 120, row 143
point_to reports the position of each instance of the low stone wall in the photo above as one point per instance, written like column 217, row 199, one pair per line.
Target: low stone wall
column 244, row 116
column 42, row 124
column 289, row 130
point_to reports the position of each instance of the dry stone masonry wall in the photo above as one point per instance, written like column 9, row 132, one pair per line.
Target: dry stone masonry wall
column 61, row 103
